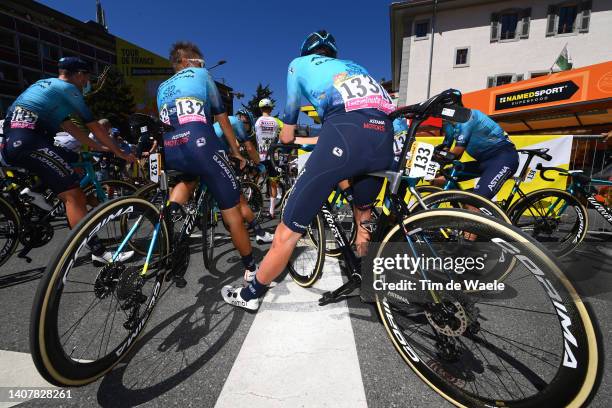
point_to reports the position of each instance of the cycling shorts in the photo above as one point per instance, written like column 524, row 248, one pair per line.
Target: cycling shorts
column 35, row 152
column 194, row 149
column 349, row 146
column 494, row 170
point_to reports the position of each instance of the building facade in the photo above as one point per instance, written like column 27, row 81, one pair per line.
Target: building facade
column 485, row 43
column 33, row 37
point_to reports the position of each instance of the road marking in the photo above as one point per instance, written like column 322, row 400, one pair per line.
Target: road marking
column 18, row 371
column 298, row 353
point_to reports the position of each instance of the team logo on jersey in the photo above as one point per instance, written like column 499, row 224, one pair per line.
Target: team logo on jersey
column 375, row 124
column 337, row 151
column 339, row 78
column 200, row 142
column 17, row 143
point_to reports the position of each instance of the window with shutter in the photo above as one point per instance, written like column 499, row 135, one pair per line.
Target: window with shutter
column 494, row 27
column 490, row 82
column 525, row 20
column 518, row 77
column 551, row 20
column 585, row 16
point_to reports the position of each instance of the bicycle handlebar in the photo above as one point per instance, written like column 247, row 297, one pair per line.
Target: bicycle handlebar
column 543, row 170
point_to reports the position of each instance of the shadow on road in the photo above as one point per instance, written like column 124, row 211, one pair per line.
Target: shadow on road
column 178, row 346
column 17, row 278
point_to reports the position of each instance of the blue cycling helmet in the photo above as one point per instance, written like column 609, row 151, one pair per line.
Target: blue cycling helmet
column 319, row 39
column 73, row 64
column 247, row 113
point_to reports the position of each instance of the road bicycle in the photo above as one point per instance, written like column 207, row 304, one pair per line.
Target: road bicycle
column 27, row 218
column 531, row 344
column 561, row 217
column 557, row 218
column 86, row 318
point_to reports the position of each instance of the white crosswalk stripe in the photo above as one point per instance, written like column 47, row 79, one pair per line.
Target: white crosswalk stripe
column 21, row 375
column 296, row 353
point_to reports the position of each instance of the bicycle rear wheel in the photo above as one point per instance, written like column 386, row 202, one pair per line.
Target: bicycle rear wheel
column 254, row 198
column 9, row 231
column 85, row 318
column 531, row 344
column 308, row 257
column 553, row 217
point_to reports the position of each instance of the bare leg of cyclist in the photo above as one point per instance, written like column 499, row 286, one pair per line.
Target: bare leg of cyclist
column 362, row 238
column 245, row 210
column 75, row 202
column 182, row 191
column 240, row 237
column 273, row 193
column 278, row 255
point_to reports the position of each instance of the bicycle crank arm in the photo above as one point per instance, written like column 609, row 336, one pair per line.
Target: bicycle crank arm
column 347, row 288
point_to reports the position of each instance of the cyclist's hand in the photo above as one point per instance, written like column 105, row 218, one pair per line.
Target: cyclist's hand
column 145, row 154
column 241, row 160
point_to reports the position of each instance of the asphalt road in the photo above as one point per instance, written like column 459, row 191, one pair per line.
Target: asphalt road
column 198, row 351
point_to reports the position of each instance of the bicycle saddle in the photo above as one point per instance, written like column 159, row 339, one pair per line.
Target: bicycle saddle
column 446, row 105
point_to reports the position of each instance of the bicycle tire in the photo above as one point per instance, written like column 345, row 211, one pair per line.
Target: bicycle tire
column 51, row 361
column 9, row 230
column 254, row 198
column 571, row 385
column 569, row 243
column 306, row 273
column 459, row 197
column 208, row 233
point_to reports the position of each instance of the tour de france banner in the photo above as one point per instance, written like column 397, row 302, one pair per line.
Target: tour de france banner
column 143, row 71
column 560, row 148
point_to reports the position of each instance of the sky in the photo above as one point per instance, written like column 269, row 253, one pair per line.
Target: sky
column 257, row 38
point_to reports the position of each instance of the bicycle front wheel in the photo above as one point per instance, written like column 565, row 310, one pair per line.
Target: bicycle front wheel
column 553, row 217
column 308, row 257
column 530, row 344
column 86, row 318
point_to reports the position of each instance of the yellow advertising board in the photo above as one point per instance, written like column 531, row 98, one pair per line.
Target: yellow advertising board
column 560, row 148
column 144, row 71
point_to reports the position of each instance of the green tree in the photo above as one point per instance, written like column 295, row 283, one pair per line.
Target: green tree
column 260, row 93
column 112, row 98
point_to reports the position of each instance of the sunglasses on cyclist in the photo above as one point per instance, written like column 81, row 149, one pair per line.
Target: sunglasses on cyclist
column 198, row 61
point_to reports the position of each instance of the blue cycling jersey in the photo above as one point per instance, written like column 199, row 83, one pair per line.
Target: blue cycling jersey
column 47, row 104
column 237, row 126
column 480, row 135
column 189, row 96
column 332, row 86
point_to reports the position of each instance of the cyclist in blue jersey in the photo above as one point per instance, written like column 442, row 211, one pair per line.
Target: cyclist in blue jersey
column 189, row 101
column 356, row 138
column 31, row 124
column 483, row 139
